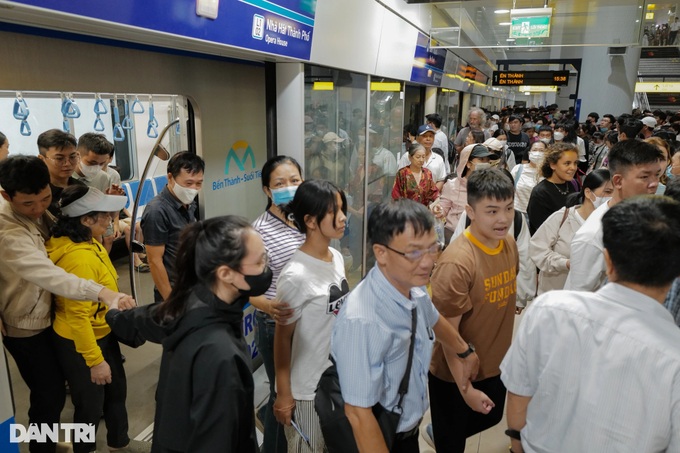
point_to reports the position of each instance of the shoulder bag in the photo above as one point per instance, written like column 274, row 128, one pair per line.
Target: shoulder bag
column 330, row 406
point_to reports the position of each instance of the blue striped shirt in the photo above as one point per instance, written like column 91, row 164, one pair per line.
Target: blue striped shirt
column 280, row 241
column 370, row 343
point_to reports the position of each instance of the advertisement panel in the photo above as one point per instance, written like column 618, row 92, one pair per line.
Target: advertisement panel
column 281, row 27
column 428, row 64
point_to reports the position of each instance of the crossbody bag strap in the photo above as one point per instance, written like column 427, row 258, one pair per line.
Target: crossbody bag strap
column 557, row 235
column 403, row 386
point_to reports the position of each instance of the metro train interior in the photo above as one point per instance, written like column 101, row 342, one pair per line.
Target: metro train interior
column 130, row 68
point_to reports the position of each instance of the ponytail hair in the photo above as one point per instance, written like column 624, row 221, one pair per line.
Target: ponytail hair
column 204, row 246
column 594, row 180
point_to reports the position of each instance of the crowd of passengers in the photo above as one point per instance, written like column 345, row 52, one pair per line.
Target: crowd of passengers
column 579, row 224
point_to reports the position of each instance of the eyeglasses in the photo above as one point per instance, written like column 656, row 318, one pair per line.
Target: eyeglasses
column 263, row 263
column 416, row 255
column 61, row 160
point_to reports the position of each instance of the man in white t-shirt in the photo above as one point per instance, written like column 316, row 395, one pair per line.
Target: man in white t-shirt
column 601, row 372
column 635, row 170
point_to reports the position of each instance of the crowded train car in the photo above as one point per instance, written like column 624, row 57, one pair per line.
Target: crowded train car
column 221, row 221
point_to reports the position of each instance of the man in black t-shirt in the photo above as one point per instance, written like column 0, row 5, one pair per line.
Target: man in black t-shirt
column 518, row 141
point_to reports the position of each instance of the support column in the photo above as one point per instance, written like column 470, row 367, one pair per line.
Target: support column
column 290, row 110
column 607, row 83
column 430, row 100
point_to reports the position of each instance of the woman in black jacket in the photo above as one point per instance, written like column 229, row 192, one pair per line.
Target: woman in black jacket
column 204, row 399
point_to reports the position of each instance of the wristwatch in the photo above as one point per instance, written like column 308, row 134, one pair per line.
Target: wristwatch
column 469, row 351
column 513, row 434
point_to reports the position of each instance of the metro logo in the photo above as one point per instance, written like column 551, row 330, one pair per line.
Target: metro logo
column 240, row 162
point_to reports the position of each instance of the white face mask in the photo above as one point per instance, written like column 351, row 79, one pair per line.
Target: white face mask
column 546, row 141
column 90, row 171
column 535, row 157
column 559, row 136
column 599, row 201
column 184, row 194
column 482, row 165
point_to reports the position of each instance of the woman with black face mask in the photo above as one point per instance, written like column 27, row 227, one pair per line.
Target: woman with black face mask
column 204, row 399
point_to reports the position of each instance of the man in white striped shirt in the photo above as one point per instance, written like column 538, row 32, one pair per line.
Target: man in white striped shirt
column 601, row 371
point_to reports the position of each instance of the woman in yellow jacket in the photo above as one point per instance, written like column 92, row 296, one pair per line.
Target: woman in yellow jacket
column 88, row 353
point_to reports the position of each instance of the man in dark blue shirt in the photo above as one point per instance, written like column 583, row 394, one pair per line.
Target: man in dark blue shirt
column 167, row 214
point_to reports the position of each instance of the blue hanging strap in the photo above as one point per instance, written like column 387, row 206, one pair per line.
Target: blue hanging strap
column 25, row 129
column 69, row 108
column 137, row 106
column 66, row 126
column 152, row 116
column 127, row 122
column 151, row 130
column 98, row 124
column 100, row 107
column 20, row 109
column 118, row 132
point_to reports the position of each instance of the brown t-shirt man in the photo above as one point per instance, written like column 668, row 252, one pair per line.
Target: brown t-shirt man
column 479, row 283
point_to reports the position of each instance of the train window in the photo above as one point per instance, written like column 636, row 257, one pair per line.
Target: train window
column 130, row 121
column 447, row 107
column 335, row 130
column 353, row 137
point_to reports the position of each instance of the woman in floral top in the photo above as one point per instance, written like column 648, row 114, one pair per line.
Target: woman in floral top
column 415, row 181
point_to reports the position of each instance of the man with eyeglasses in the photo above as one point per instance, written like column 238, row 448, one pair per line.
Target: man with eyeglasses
column 474, row 288
column 58, row 150
column 372, row 333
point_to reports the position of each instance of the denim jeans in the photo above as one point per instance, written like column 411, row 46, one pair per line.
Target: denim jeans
column 274, row 436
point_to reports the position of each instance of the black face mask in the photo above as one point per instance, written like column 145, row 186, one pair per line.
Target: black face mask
column 259, row 284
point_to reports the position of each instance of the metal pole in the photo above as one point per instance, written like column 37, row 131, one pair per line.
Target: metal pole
column 157, row 151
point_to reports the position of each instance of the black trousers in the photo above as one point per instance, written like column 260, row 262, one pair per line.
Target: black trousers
column 38, row 365
column 91, row 400
column 452, row 419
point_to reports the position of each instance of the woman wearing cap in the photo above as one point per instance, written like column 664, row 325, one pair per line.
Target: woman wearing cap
column 415, row 181
column 332, row 157
column 89, row 355
column 499, row 145
column 454, row 194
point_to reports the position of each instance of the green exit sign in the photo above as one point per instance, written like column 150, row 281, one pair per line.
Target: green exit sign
column 530, row 27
